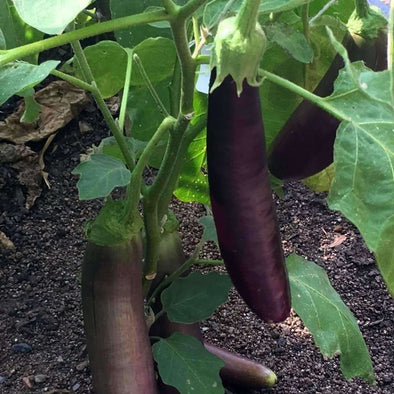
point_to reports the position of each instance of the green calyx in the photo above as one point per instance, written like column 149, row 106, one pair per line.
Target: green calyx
column 109, row 227
column 237, row 52
column 369, row 25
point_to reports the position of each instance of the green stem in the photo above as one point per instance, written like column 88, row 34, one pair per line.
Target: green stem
column 362, row 8
column 150, row 87
column 89, row 31
column 126, row 88
column 209, row 262
column 196, row 32
column 82, row 61
column 133, row 195
column 175, row 89
column 305, row 20
column 246, row 18
column 170, row 7
column 173, row 173
column 322, row 11
column 190, row 7
column 75, row 81
column 319, row 101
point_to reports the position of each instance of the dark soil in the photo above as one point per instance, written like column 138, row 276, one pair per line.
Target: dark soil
column 40, row 288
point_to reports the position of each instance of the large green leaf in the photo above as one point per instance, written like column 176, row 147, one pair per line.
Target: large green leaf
column 158, row 56
column 291, row 40
column 129, row 38
column 193, row 183
column 385, row 254
column 49, row 16
column 334, row 328
column 108, row 61
column 100, row 175
column 184, row 363
column 14, row 31
column 15, row 77
column 195, row 297
column 363, row 184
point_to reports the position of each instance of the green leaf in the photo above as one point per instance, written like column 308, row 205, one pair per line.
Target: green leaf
column 100, row 175
column 108, row 62
column 32, row 108
column 129, row 38
column 184, row 363
column 209, row 233
column 321, row 181
column 195, row 297
column 146, row 117
column 334, row 328
column 158, row 56
column 291, row 40
column 269, row 6
column 193, row 183
column 385, row 253
column 15, row 77
column 363, row 185
column 340, row 9
column 15, row 32
column 110, row 147
column 50, row 16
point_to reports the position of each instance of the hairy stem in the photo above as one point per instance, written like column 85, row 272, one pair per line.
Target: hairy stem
column 126, row 88
column 247, row 16
column 89, row 31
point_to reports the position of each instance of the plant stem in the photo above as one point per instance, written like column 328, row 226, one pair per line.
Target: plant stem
column 319, row 101
column 73, row 80
column 209, row 262
column 175, row 89
column 82, row 61
column 362, row 8
column 126, row 88
column 246, row 18
column 89, row 31
column 190, row 7
column 196, row 32
column 322, row 11
column 150, row 87
column 133, row 195
column 305, row 20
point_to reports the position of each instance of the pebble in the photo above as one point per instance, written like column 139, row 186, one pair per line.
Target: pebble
column 2, row 379
column 76, row 387
column 27, row 382
column 21, row 348
column 40, row 378
column 81, row 366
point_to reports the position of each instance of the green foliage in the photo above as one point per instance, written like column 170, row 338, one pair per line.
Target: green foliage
column 209, row 233
column 184, row 363
column 108, row 61
column 129, row 38
column 49, row 16
column 321, row 181
column 110, row 147
column 334, row 328
column 195, row 297
column 14, row 31
column 100, row 175
column 290, row 40
column 364, row 151
column 385, row 253
column 15, row 77
column 157, row 56
column 32, row 108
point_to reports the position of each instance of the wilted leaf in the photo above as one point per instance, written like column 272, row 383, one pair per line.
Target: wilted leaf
column 5, row 242
column 195, row 297
column 26, row 163
column 184, row 363
column 334, row 328
column 321, row 181
column 60, row 102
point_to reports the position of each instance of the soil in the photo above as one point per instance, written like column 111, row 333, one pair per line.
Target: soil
column 40, row 309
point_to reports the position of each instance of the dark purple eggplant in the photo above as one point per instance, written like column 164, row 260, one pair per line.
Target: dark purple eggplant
column 241, row 199
column 305, row 144
column 117, row 336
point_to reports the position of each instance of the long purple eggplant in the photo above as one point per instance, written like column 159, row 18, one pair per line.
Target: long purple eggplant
column 305, row 144
column 241, row 199
column 117, row 338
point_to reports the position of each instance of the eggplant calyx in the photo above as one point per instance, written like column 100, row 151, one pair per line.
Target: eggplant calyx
column 109, row 227
column 237, row 52
column 369, row 25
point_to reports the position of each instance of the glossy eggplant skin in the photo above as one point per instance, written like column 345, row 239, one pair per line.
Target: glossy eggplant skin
column 305, row 144
column 117, row 336
column 241, row 199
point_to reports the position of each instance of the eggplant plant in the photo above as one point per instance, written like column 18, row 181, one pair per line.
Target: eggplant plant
column 208, row 141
